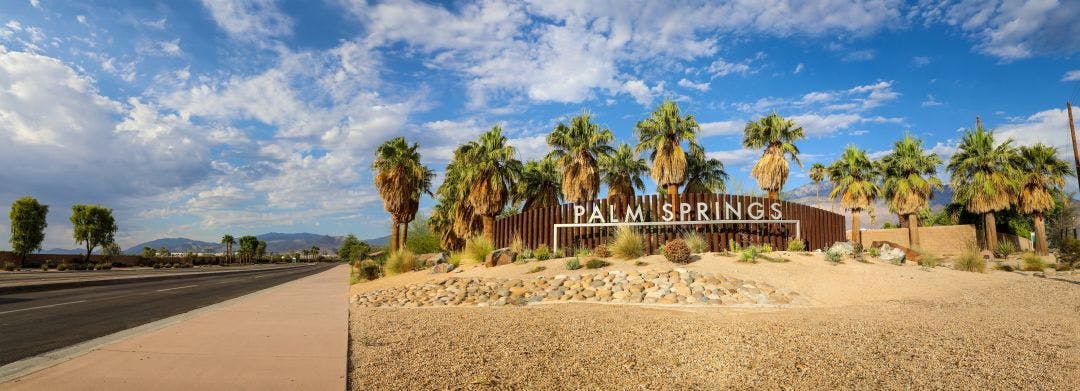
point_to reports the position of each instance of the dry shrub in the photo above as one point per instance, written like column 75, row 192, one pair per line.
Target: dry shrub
column 601, row 251
column 399, row 262
column 970, row 261
column 476, row 249
column 796, row 245
column 928, row 259
column 542, row 252
column 517, row 246
column 1034, row 263
column 696, row 242
column 676, row 250
column 627, row 244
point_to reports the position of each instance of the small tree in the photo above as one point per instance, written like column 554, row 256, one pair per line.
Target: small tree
column 352, row 249
column 148, row 252
column 93, row 225
column 228, row 241
column 110, row 250
column 248, row 245
column 27, row 226
column 260, row 250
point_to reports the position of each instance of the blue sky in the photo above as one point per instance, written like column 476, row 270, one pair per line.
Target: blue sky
column 195, row 119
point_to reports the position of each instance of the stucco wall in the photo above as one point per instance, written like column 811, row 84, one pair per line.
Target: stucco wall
column 941, row 240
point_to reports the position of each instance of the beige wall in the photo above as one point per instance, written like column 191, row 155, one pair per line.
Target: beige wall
column 941, row 240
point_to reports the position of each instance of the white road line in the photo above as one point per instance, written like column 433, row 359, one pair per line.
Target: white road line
column 43, row 306
column 179, row 287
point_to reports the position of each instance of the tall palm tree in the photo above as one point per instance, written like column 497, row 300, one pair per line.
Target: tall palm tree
column 705, row 175
column 778, row 136
column 817, row 174
column 400, row 179
column 663, row 134
column 539, row 185
column 622, row 171
column 228, row 241
column 909, row 178
column 852, row 176
column 451, row 217
column 983, row 177
column 1041, row 173
column 576, row 150
column 489, row 171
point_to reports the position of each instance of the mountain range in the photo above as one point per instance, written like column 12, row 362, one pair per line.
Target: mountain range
column 275, row 243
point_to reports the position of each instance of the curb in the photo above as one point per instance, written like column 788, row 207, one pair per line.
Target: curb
column 5, row 290
column 30, row 365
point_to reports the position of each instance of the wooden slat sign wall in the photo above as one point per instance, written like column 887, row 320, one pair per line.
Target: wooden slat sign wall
column 819, row 228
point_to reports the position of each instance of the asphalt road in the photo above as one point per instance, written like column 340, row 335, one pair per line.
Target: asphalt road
column 37, row 322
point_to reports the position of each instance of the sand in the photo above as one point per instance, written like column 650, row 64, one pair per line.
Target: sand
column 870, row 326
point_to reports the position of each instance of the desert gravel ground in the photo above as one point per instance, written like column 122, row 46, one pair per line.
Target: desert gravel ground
column 874, row 326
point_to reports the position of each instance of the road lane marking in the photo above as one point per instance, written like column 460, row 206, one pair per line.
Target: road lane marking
column 179, row 287
column 43, row 306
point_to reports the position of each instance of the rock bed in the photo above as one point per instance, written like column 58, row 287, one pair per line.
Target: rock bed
column 679, row 286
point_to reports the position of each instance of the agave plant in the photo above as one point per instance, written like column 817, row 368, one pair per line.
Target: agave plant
column 663, row 134
column 576, row 150
column 778, row 136
column 983, row 177
column 908, row 181
column 621, row 171
column 853, row 176
column 1041, row 173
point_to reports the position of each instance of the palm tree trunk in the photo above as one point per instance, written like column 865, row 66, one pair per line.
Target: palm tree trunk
column 990, row 229
column 673, row 194
column 913, row 231
column 1041, row 247
column 489, row 227
column 404, row 236
column 394, row 237
column 856, row 235
column 774, row 194
column 817, row 198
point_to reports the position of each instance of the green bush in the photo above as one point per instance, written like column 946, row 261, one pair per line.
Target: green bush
column 596, row 263
column 581, row 252
column 928, row 259
column 796, row 245
column 63, row 266
column 369, row 269
column 454, row 259
column 45, row 266
column 1069, row 254
column 421, row 239
column 601, row 251
column 1004, row 249
column 526, row 254
column 1034, row 263
column 676, row 250
column 573, row 264
column 764, row 248
column 970, row 261
column 748, row 255
column 627, row 244
column 477, row 249
column 8, row 266
column 537, row 269
column 874, row 251
column 733, row 246
column 542, row 252
column 399, row 262
column 835, row 257
column 695, row 242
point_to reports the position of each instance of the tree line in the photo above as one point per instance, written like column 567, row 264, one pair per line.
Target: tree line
column 484, row 178
column 92, row 226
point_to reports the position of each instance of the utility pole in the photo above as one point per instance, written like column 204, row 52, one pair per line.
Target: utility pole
column 1072, row 131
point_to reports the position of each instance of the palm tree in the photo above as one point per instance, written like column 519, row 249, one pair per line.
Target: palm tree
column 1041, row 173
column 705, row 175
column 489, row 171
column 539, row 185
column 401, row 180
column 576, row 150
column 663, row 134
column 853, row 182
column 909, row 178
column 622, row 171
column 778, row 136
column 817, row 174
column 983, row 177
column 228, row 241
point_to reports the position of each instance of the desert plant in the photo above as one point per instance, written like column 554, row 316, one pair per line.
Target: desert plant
column 542, row 252
column 8, row 266
column 368, row 269
column 1004, row 249
column 764, row 248
column 695, row 242
column 63, row 266
column 1033, row 263
column 1003, row 267
column 45, row 266
column 663, row 134
column 733, row 246
column 874, row 252
column 573, row 264
column 601, row 251
column 970, row 261
column 835, row 257
column 984, row 177
column 399, row 262
column 676, row 250
column 641, row 263
column 526, row 253
column 795, row 245
column 1069, row 254
column 517, row 246
column 627, row 244
column 455, row 259
column 777, row 136
column 537, row 269
column 596, row 263
column 581, row 252
column 928, row 259
column 477, row 248
column 748, row 255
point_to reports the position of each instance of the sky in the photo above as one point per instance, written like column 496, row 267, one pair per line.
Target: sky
column 198, row 118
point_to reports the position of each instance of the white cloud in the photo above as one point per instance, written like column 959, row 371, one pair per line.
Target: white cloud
column 35, row 3
column 860, row 55
column 735, row 157
column 921, row 61
column 722, row 128
column 703, row 86
column 930, row 101
column 798, row 69
column 1049, row 127
column 1009, row 29
column 1073, row 75
column 642, row 93
column 819, row 125
column 817, row 97
column 249, row 19
column 721, row 68
column 81, row 19
column 530, row 148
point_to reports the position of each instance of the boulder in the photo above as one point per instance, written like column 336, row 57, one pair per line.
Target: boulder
column 502, row 256
column 442, row 268
column 432, row 259
column 890, row 254
column 909, row 254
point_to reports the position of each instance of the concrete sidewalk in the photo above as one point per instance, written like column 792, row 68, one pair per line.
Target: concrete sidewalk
column 293, row 336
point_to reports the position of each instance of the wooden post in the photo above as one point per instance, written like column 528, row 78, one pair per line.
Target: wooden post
column 1072, row 131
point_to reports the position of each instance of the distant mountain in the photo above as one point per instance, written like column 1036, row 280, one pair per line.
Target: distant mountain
column 807, row 195
column 281, row 242
column 378, row 242
column 177, row 245
column 276, row 242
column 66, row 251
